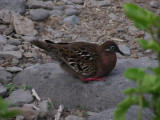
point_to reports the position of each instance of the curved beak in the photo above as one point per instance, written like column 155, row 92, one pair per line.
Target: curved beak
column 120, row 52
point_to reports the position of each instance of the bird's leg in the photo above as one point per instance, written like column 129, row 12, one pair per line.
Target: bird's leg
column 91, row 79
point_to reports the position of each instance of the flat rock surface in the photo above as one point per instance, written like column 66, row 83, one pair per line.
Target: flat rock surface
column 49, row 80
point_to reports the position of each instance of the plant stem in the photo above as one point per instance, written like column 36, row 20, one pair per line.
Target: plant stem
column 140, row 107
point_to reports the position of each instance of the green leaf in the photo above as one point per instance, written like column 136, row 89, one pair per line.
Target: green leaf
column 122, row 108
column 11, row 113
column 129, row 91
column 157, row 70
column 142, row 18
column 153, row 45
column 134, row 74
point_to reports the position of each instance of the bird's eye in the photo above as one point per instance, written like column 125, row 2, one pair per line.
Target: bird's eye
column 112, row 47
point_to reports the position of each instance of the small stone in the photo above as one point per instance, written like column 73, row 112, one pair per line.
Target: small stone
column 104, row 3
column 128, row 38
column 40, row 4
column 56, row 13
column 147, row 36
column 14, row 5
column 8, row 31
column 139, row 34
column 73, row 117
column 3, row 40
column 14, row 42
column 14, row 69
column 5, row 77
column 2, row 28
column 28, row 54
column 154, row 4
column 9, row 47
column 43, row 106
column 140, row 54
column 11, row 54
column 112, row 16
column 71, row 11
column 19, row 117
column 58, row 8
column 19, row 97
column 67, row 2
column 70, row 6
column 3, row 90
column 78, row 1
column 57, row 34
column 124, row 49
column 82, row 39
column 14, row 62
column 132, row 30
column 28, row 113
column 71, row 20
column 120, row 29
column 29, row 38
column 39, row 14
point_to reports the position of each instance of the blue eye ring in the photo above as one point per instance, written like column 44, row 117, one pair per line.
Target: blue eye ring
column 112, row 47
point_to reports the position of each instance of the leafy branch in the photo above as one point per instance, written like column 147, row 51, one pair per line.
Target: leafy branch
column 147, row 83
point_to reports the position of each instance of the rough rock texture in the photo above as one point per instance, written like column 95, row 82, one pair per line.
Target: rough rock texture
column 50, row 80
column 131, row 115
column 5, row 77
column 19, row 97
column 3, row 90
column 15, row 5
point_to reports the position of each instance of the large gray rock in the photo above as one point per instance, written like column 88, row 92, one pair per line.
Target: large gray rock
column 131, row 114
column 19, row 97
column 39, row 14
column 11, row 54
column 49, row 80
column 3, row 90
column 15, row 5
column 5, row 77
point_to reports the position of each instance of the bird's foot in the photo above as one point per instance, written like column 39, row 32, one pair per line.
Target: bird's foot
column 91, row 79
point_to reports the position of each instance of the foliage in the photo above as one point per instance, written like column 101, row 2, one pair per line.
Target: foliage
column 147, row 82
column 11, row 87
column 5, row 113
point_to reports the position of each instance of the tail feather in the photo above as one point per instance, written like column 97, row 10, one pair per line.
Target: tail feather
column 42, row 45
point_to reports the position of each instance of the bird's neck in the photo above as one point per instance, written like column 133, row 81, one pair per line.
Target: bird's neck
column 108, row 58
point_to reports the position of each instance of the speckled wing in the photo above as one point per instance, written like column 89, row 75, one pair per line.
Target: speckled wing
column 79, row 57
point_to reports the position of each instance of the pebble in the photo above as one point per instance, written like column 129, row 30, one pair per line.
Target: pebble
column 57, row 34
column 82, row 39
column 104, row 3
column 29, row 38
column 28, row 54
column 14, row 42
column 5, row 77
column 147, row 36
column 78, row 1
column 2, row 28
column 9, row 47
column 14, row 62
column 58, row 8
column 3, row 90
column 56, row 12
column 40, row 4
column 19, row 97
column 13, row 69
column 132, row 30
column 67, row 2
column 73, row 117
column 39, row 14
column 19, row 117
column 71, row 19
column 14, row 5
column 154, row 4
column 8, row 31
column 11, row 54
column 71, row 11
column 112, row 16
column 43, row 106
column 3, row 40
column 124, row 49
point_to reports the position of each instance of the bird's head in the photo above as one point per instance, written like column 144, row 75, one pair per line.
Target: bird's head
column 110, row 46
